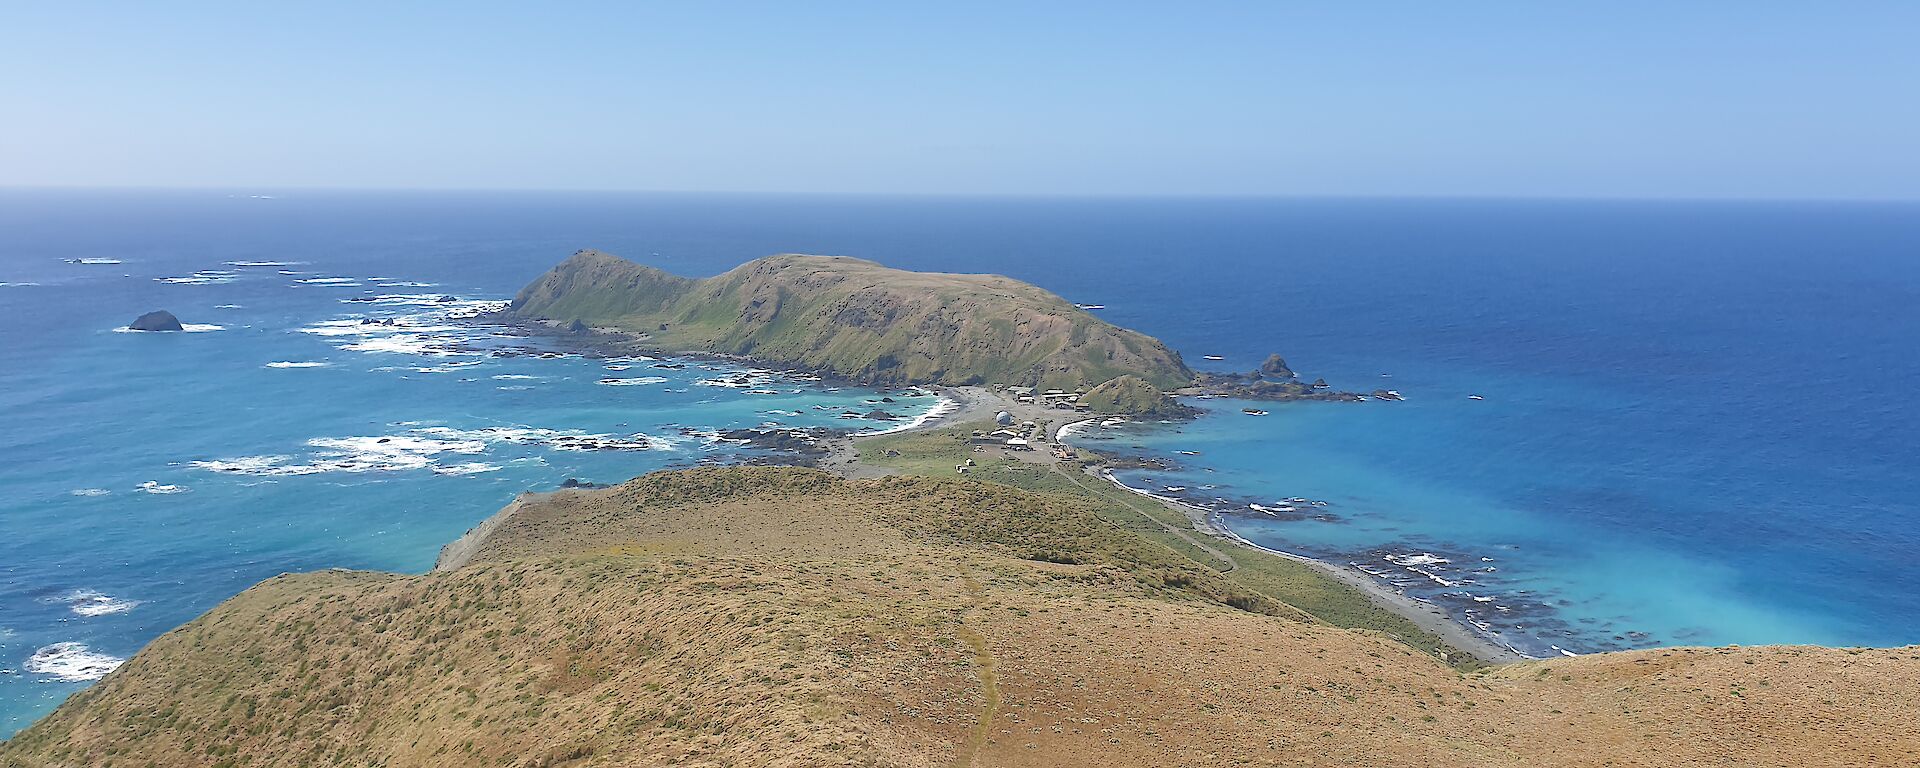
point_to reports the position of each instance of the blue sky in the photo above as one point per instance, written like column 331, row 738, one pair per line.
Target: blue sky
column 1696, row 99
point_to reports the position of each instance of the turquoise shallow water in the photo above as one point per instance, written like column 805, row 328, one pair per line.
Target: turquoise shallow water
column 1694, row 426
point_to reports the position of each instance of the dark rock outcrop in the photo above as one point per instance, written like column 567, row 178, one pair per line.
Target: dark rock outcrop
column 1273, row 380
column 1275, row 368
column 159, row 320
column 803, row 442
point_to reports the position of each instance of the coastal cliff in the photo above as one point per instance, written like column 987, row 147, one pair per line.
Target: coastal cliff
column 462, row 550
column 779, row 617
column 854, row 319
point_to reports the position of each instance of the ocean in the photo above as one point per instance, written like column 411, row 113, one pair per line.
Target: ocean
column 1692, row 424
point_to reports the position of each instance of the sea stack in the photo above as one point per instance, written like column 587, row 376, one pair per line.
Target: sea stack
column 1275, row 368
column 159, row 320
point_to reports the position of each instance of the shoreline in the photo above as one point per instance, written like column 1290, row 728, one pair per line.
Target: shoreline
column 979, row 404
column 1423, row 614
column 967, row 404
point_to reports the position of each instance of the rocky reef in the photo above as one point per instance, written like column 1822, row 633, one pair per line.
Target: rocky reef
column 1274, row 380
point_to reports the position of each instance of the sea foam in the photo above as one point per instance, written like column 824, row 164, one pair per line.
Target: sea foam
column 88, row 602
column 184, row 327
column 202, row 277
column 71, row 663
column 423, row 448
column 633, row 382
column 937, row 412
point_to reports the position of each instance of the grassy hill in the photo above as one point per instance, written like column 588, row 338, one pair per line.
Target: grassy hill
column 856, row 319
column 785, row 617
column 1132, row 394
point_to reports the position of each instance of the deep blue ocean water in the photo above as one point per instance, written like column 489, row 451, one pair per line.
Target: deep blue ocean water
column 1695, row 424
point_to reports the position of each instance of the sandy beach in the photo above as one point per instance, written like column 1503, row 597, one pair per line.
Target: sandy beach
column 965, row 405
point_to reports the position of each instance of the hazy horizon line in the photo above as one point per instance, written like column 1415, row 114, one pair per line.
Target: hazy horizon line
column 1380, row 196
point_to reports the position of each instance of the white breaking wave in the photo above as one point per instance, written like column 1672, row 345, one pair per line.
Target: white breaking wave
column 347, row 327
column 328, row 281
column 1067, row 431
column 633, row 382
column 407, row 344
column 266, row 466
column 90, row 491
column 561, row 440
column 460, row 310
column 203, row 277
column 153, row 486
column 88, row 602
column 297, row 364
column 939, row 410
column 406, row 300
column 16, row 285
column 427, row 334
column 469, row 468
column 184, row 327
column 263, row 263
column 72, row 663
column 422, row 448
column 93, row 261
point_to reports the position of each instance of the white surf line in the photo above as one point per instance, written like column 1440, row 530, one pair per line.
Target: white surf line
column 1070, row 429
column 1359, row 579
column 940, row 410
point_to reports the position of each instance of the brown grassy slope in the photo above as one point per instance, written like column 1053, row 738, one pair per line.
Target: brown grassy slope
column 783, row 617
column 857, row 319
column 934, row 453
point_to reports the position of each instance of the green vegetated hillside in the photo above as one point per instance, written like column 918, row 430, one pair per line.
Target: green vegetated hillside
column 856, row 319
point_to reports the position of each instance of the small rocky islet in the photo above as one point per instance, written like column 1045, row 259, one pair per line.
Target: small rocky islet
column 157, row 320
